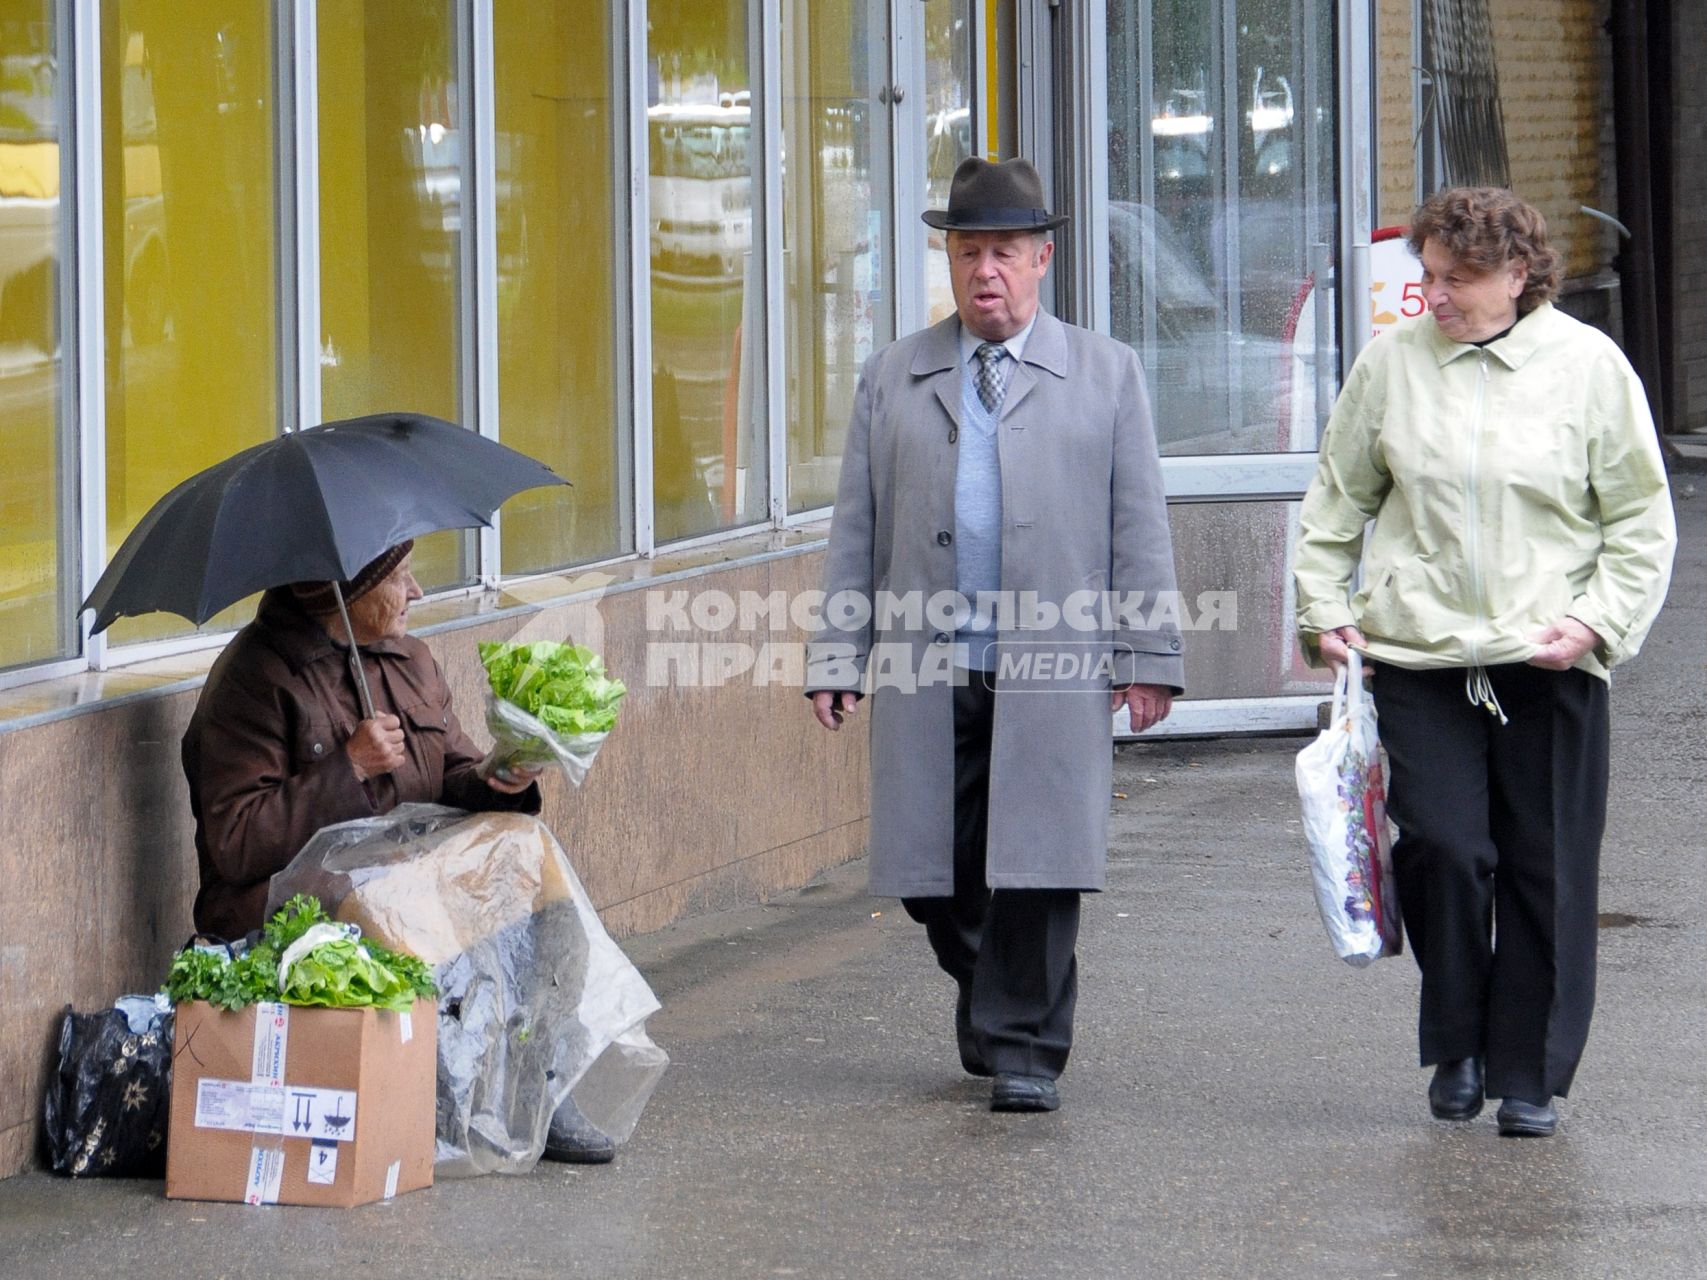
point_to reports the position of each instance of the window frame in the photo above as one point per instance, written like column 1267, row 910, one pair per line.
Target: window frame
column 295, row 63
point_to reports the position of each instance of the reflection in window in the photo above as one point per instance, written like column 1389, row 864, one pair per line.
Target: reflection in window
column 391, row 141
column 1222, row 215
column 188, row 208
column 557, row 113
column 837, row 263
column 708, row 436
column 948, row 129
column 34, row 559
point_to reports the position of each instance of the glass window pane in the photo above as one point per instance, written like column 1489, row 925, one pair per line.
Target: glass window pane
column 188, row 211
column 1222, row 215
column 35, row 559
column 1235, row 581
column 391, row 143
column 708, row 435
column 558, row 277
column 837, row 265
column 948, row 129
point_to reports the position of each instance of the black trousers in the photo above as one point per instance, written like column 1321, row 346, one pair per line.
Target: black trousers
column 1011, row 951
column 1498, row 864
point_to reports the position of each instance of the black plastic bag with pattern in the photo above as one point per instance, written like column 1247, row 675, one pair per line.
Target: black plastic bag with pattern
column 108, row 1103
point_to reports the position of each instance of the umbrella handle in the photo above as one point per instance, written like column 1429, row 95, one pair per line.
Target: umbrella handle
column 355, row 654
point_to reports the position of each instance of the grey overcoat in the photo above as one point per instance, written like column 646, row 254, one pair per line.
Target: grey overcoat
column 1083, row 513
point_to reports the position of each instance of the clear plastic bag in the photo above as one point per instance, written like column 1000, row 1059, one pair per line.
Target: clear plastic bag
column 520, row 740
column 1345, row 822
column 535, row 999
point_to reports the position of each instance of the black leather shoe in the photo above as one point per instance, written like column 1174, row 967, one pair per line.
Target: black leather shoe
column 1520, row 1119
column 970, row 1058
column 572, row 1139
column 1023, row 1093
column 1455, row 1093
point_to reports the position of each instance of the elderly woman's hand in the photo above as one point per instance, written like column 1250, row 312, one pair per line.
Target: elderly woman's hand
column 376, row 746
column 1562, row 644
column 1336, row 645
column 514, row 779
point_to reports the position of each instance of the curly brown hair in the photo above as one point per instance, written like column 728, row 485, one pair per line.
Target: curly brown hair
column 1484, row 228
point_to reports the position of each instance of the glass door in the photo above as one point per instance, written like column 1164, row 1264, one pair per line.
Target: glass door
column 1198, row 143
column 1221, row 214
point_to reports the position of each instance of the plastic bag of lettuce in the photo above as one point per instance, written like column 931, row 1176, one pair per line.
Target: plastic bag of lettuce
column 302, row 957
column 547, row 703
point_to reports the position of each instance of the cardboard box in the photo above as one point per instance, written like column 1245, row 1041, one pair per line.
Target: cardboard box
column 281, row 1104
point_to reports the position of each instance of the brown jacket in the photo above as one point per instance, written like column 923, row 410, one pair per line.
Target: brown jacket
column 264, row 753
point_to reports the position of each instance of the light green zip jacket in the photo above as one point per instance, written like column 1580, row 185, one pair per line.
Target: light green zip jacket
column 1511, row 486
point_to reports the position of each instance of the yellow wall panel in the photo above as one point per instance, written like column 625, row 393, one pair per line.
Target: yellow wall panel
column 391, row 210
column 187, row 222
column 557, row 196
column 30, row 215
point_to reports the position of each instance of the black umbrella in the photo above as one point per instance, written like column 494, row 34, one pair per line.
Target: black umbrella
column 310, row 506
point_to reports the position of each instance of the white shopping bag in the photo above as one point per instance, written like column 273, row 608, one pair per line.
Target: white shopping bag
column 1345, row 821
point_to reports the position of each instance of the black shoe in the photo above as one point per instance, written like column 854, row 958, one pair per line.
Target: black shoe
column 572, row 1139
column 970, row 1058
column 1520, row 1119
column 1455, row 1093
column 1023, row 1093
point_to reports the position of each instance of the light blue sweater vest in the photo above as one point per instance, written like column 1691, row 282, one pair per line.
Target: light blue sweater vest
column 977, row 520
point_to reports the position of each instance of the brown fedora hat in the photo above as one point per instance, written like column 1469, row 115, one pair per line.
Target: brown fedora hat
column 1002, row 196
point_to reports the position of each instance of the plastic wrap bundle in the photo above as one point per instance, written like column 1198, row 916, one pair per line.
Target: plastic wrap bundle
column 1345, row 822
column 535, row 999
column 521, row 741
column 546, row 703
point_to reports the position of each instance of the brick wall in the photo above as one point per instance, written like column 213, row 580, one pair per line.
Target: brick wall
column 1395, row 112
column 1551, row 67
column 1689, row 233
column 1556, row 91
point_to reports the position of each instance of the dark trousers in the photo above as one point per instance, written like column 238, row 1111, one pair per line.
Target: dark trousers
column 1498, row 864
column 1009, row 950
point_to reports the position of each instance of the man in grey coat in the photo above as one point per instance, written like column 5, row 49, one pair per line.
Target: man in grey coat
column 1000, row 571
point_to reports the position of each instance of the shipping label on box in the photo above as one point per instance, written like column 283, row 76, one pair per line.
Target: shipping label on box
column 278, row 1104
column 322, row 1162
column 239, row 1106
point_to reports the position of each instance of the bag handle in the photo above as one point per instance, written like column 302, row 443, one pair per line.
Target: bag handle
column 1349, row 695
column 1337, row 712
column 1355, row 695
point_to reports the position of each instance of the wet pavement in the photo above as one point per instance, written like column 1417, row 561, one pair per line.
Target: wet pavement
column 1239, row 1102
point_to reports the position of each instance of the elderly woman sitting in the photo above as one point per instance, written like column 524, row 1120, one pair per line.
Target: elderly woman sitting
column 278, row 746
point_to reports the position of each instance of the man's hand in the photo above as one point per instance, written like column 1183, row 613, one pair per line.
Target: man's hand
column 832, row 707
column 514, row 779
column 1562, row 644
column 1336, row 645
column 1147, row 704
column 376, row 746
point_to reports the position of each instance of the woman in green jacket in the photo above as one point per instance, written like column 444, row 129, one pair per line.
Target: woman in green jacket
column 1521, row 547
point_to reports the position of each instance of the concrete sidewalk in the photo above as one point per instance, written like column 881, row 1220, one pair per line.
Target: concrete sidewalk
column 1239, row 1103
